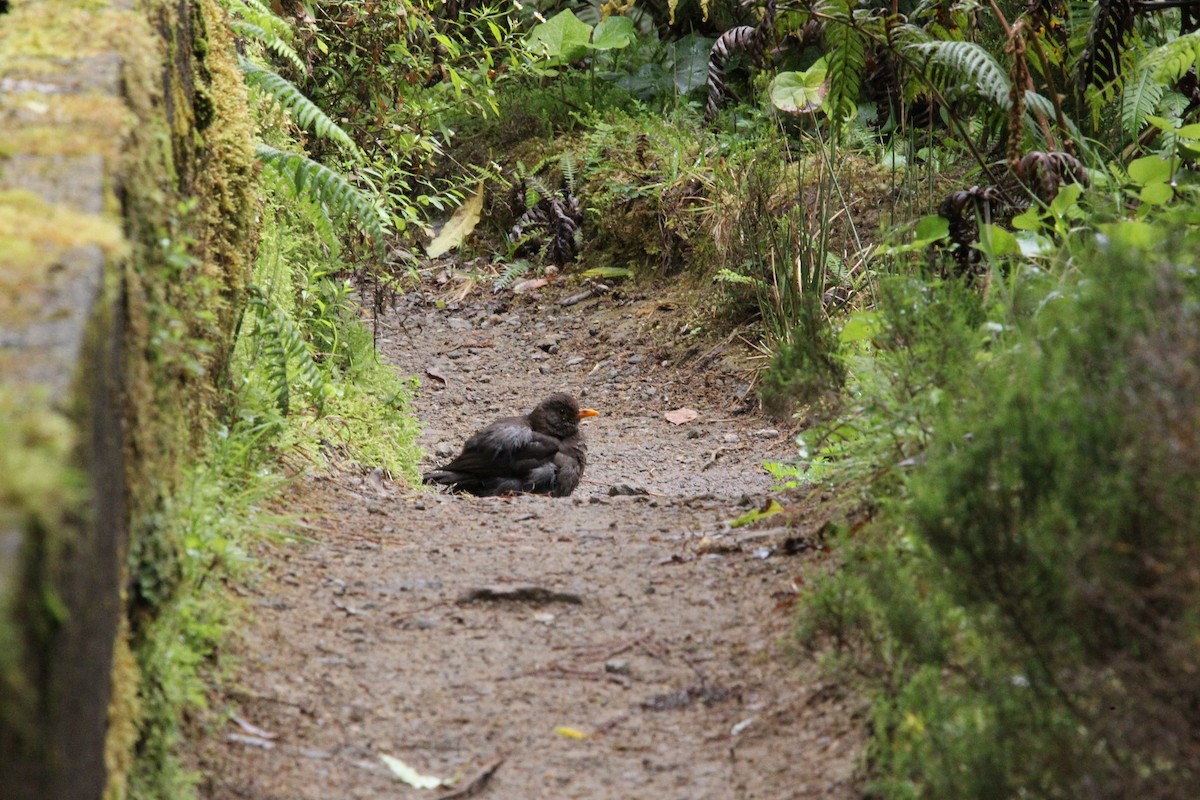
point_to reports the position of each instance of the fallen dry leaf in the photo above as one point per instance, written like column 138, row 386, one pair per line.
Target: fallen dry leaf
column 681, row 415
column 529, row 285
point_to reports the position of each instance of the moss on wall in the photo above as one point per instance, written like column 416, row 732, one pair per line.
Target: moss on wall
column 127, row 221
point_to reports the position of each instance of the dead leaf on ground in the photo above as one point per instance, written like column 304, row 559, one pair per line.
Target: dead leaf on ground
column 437, row 375
column 251, row 728
column 252, row 741
column 406, row 774
column 568, row 732
column 529, row 285
column 681, row 415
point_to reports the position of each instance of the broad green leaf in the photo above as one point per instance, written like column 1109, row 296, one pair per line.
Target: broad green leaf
column 1033, row 244
column 688, row 61
column 1062, row 205
column 614, row 33
column 860, row 327
column 1156, row 194
column 564, row 37
column 930, row 229
column 1028, row 220
column 1133, row 233
column 996, row 242
column 461, row 223
column 1149, row 169
column 1189, row 131
column 800, row 92
column 650, row 80
column 1162, row 123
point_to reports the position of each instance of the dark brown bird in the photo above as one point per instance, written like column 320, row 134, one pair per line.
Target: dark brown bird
column 542, row 452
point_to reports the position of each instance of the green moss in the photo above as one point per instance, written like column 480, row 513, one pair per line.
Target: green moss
column 34, row 235
column 39, row 489
column 65, row 124
column 35, row 36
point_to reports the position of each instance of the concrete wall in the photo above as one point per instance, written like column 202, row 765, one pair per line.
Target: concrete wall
column 100, row 142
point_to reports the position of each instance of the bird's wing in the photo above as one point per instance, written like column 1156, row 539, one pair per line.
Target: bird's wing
column 507, row 447
column 570, row 462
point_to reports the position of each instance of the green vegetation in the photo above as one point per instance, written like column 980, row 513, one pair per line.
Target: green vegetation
column 299, row 389
column 964, row 234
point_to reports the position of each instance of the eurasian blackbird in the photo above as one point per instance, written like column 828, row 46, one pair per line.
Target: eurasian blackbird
column 542, row 452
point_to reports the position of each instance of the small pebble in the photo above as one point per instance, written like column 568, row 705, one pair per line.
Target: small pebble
column 617, row 666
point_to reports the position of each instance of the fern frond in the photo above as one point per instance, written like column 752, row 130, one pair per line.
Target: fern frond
column 1111, row 24
column 334, row 192
column 1140, row 100
column 1170, row 62
column 258, row 13
column 846, row 55
column 285, row 355
column 255, row 32
column 535, row 191
column 570, row 169
column 965, row 67
column 306, row 113
column 312, row 210
column 513, row 271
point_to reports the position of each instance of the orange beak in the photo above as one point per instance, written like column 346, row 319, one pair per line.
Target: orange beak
column 588, row 412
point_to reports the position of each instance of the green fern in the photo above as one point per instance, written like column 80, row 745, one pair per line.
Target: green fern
column 311, row 209
column 570, row 169
column 513, row 271
column 253, row 20
column 846, row 54
column 342, row 199
column 304, row 111
column 1140, row 100
column 1170, row 62
column 285, row 356
column 959, row 66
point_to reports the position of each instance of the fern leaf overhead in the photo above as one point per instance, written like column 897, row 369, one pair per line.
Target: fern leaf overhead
column 276, row 45
column 846, row 54
column 1112, row 23
column 342, row 198
column 1139, row 101
column 966, row 66
column 253, row 19
column 1171, row 61
column 304, row 111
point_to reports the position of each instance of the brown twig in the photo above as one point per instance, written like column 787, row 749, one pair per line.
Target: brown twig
column 715, row 454
column 477, row 784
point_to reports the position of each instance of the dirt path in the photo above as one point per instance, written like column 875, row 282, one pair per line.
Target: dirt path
column 661, row 636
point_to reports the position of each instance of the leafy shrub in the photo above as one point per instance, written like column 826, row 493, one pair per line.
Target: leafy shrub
column 1026, row 607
